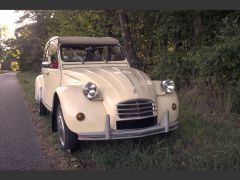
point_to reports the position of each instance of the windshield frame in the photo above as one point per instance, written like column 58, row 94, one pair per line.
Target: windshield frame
column 93, row 45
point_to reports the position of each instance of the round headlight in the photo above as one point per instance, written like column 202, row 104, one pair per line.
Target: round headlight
column 90, row 90
column 168, row 85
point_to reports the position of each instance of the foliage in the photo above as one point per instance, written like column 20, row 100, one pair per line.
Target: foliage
column 9, row 52
column 14, row 66
column 194, row 48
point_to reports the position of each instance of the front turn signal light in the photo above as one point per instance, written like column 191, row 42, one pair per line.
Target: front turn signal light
column 80, row 116
column 174, row 106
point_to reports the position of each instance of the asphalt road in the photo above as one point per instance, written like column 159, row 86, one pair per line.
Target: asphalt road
column 19, row 148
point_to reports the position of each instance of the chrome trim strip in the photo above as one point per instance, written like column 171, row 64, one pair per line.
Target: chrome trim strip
column 140, row 108
column 135, row 104
column 137, row 113
column 136, row 117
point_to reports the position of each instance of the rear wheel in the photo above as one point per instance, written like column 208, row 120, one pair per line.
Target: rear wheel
column 67, row 138
column 42, row 109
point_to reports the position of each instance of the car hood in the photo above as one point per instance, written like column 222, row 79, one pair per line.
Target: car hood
column 115, row 84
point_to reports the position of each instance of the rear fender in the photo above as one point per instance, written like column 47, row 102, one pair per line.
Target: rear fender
column 39, row 83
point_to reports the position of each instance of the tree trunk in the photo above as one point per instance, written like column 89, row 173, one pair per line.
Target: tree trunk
column 127, row 40
column 152, row 39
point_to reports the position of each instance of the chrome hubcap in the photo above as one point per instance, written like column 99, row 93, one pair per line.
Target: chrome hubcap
column 61, row 130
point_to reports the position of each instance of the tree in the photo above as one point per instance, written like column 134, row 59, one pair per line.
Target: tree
column 14, row 66
column 127, row 39
column 31, row 38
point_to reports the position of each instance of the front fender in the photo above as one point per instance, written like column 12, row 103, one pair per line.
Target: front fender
column 72, row 102
column 165, row 101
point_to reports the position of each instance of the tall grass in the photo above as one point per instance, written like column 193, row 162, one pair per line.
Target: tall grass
column 204, row 141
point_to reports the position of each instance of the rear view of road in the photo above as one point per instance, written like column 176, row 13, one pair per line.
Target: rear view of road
column 19, row 148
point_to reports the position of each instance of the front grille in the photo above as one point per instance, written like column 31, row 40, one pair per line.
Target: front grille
column 136, row 109
column 136, row 124
column 138, row 113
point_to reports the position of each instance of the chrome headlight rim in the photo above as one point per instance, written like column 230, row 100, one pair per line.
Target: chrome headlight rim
column 168, row 85
column 90, row 90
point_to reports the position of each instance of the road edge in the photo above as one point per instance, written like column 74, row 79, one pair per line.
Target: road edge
column 56, row 160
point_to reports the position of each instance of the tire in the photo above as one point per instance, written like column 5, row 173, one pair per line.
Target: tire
column 42, row 109
column 68, row 139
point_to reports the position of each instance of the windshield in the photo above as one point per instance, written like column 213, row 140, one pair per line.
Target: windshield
column 86, row 53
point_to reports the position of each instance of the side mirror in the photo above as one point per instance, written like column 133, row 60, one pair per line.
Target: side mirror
column 46, row 64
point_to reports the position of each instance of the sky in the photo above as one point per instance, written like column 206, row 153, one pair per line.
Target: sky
column 8, row 19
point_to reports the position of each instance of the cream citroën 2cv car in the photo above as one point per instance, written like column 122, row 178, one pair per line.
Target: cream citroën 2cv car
column 93, row 94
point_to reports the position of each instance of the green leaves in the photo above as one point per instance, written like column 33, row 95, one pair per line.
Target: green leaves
column 200, row 47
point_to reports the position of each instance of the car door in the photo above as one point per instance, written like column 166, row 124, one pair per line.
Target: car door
column 51, row 74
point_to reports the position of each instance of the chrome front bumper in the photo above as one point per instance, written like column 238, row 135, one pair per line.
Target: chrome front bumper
column 108, row 134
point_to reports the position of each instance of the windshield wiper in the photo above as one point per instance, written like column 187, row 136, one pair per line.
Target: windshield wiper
column 106, row 61
column 78, row 57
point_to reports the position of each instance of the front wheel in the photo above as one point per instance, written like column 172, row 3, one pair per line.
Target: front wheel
column 68, row 139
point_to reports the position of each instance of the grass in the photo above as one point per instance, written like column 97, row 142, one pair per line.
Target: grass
column 58, row 159
column 204, row 141
column 3, row 71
